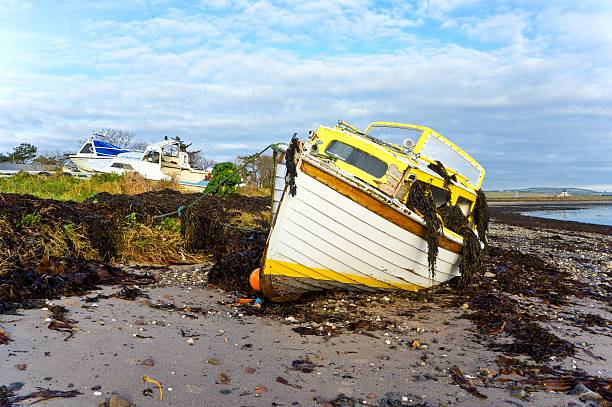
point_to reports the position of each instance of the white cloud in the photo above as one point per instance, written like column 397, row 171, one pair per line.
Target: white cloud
column 504, row 28
column 237, row 82
column 440, row 8
column 577, row 31
column 14, row 6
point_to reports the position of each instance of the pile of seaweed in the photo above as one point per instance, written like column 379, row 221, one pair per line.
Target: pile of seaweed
column 494, row 306
column 236, row 249
column 50, row 248
column 496, row 315
column 499, row 311
column 52, row 278
column 421, row 199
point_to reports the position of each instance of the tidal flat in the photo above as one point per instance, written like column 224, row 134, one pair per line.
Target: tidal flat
column 534, row 329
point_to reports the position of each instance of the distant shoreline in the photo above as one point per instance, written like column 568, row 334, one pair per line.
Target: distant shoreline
column 508, row 198
column 510, row 213
column 534, row 204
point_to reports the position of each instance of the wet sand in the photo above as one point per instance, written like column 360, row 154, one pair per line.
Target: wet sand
column 378, row 367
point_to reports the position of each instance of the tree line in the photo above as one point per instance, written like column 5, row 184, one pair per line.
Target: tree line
column 258, row 171
column 26, row 153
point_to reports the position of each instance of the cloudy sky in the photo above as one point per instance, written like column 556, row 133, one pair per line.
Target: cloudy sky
column 524, row 86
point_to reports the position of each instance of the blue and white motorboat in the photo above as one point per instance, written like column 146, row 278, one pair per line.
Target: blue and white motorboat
column 96, row 155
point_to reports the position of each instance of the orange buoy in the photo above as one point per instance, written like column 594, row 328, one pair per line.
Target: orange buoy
column 254, row 280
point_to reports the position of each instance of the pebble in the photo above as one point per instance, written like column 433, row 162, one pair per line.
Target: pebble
column 518, row 393
column 584, row 393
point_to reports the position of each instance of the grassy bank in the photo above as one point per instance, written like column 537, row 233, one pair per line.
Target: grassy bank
column 64, row 188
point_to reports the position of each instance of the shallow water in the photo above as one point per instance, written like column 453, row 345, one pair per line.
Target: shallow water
column 597, row 214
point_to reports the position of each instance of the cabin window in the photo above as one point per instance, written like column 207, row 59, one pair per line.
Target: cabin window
column 395, row 134
column 121, row 165
column 439, row 195
column 151, row 157
column 464, row 205
column 437, row 149
column 357, row 158
column 87, row 149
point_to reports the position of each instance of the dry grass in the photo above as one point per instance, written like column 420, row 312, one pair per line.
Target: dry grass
column 33, row 242
column 250, row 219
column 145, row 244
column 253, row 190
column 5, row 251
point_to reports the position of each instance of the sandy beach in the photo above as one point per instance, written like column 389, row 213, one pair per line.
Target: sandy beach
column 381, row 350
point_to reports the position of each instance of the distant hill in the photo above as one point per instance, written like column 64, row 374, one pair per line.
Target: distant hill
column 557, row 190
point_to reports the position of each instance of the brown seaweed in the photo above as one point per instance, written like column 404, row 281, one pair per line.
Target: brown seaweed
column 465, row 383
column 440, row 169
column 480, row 214
column 421, row 200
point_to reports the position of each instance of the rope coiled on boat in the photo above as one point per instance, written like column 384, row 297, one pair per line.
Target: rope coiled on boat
column 183, row 208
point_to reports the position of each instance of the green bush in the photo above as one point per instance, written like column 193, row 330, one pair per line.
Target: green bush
column 225, row 180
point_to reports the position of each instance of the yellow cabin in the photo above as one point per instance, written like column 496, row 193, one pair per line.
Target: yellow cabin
column 392, row 168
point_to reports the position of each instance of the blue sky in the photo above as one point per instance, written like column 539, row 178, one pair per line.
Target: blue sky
column 524, row 86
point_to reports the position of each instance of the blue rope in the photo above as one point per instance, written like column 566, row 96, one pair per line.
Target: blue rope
column 181, row 209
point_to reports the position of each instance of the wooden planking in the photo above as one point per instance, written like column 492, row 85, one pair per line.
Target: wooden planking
column 277, row 269
column 306, row 233
column 319, row 202
column 375, row 205
column 334, row 251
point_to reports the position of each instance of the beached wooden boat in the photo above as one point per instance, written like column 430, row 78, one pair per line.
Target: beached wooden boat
column 341, row 214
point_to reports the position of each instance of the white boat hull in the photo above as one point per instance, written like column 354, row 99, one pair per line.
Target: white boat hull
column 91, row 164
column 334, row 235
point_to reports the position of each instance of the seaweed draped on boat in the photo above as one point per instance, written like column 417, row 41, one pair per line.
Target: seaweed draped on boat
column 360, row 213
column 421, row 199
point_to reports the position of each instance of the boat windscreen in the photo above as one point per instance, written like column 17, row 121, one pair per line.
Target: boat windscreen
column 394, row 134
column 437, row 150
column 87, row 149
column 151, row 157
column 357, row 158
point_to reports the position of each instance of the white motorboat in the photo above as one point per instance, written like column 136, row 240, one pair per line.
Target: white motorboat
column 95, row 155
column 161, row 161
